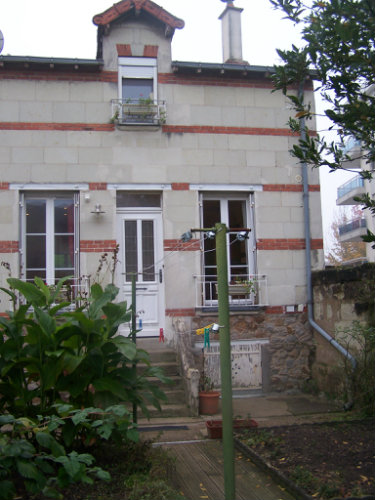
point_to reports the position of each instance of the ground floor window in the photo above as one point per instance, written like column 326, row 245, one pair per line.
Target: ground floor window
column 49, row 239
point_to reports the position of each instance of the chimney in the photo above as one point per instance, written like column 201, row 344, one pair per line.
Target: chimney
column 231, row 34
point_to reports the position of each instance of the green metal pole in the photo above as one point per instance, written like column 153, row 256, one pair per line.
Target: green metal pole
column 134, row 333
column 225, row 361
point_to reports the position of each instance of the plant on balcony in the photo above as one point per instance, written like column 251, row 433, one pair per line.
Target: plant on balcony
column 242, row 287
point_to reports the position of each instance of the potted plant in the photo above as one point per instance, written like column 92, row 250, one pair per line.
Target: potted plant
column 208, row 397
column 241, row 287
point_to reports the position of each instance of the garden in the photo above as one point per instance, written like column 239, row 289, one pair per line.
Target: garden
column 68, row 388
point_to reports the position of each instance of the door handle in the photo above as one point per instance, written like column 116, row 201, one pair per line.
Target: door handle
column 160, row 275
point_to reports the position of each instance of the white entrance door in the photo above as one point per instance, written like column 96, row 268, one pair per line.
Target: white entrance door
column 141, row 253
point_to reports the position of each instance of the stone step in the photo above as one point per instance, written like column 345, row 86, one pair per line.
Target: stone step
column 170, row 369
column 177, row 382
column 167, row 411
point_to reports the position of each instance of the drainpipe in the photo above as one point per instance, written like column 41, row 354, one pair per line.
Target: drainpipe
column 310, row 308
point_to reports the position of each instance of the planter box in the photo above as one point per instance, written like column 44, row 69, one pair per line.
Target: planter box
column 215, row 427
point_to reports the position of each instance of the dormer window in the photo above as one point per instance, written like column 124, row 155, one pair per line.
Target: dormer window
column 138, row 102
column 137, row 78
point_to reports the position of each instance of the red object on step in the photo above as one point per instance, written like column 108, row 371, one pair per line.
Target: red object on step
column 161, row 335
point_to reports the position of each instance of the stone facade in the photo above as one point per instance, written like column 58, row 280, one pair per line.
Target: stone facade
column 287, row 356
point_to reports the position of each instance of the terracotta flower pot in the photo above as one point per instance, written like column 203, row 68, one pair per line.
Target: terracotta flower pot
column 215, row 427
column 209, row 402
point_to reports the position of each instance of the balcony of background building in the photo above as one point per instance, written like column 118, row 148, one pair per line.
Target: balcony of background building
column 352, row 188
column 353, row 230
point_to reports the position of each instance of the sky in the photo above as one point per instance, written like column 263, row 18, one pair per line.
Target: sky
column 64, row 28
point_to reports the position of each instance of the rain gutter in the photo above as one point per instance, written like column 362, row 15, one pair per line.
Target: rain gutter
column 306, row 206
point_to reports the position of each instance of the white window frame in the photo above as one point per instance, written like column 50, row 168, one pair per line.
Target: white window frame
column 50, row 242
column 250, row 223
column 138, row 67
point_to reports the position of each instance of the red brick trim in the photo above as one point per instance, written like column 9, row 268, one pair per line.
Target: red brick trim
column 288, row 244
column 97, row 245
column 97, row 186
column 53, row 75
column 180, row 312
column 4, row 186
column 205, row 129
column 289, row 187
column 8, row 246
column 180, row 186
column 317, row 244
column 275, row 310
column 179, row 246
column 85, row 127
column 123, row 49
column 150, row 51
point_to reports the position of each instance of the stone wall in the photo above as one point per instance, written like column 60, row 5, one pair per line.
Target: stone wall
column 287, row 358
column 341, row 296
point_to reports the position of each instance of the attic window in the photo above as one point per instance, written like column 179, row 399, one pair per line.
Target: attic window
column 137, row 75
column 138, row 101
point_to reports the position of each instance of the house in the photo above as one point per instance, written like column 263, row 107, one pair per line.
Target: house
column 124, row 153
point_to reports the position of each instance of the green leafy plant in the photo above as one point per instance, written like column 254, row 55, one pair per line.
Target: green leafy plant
column 358, row 384
column 49, row 355
column 33, row 459
column 60, row 366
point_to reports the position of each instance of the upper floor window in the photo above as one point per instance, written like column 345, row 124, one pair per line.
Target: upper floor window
column 138, row 102
column 137, row 78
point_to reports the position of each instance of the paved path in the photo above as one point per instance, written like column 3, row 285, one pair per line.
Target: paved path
column 199, row 473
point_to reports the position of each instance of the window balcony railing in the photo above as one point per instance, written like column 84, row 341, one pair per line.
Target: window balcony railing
column 356, row 182
column 352, row 225
column 206, row 292
column 138, row 112
column 75, row 290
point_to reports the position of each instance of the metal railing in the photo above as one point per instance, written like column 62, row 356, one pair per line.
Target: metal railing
column 352, row 225
column 138, row 111
column 355, row 182
column 206, row 292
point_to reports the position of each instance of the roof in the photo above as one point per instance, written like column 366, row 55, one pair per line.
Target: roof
column 40, row 63
column 126, row 6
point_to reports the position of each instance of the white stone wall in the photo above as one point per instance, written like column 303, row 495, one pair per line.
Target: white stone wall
column 124, row 156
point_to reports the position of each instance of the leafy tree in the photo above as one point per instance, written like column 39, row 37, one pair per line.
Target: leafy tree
column 343, row 251
column 339, row 54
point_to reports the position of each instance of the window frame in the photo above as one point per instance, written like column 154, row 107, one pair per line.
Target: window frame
column 138, row 67
column 49, row 197
column 250, row 243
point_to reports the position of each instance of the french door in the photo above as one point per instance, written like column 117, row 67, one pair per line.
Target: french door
column 141, row 254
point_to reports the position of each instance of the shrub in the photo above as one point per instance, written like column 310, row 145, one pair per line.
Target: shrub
column 60, row 366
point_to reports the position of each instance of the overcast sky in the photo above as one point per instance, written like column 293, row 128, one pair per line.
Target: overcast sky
column 64, row 28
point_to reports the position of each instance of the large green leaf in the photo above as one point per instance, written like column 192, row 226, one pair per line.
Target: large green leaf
column 31, row 293
column 108, row 384
column 47, row 323
column 126, row 347
column 27, row 469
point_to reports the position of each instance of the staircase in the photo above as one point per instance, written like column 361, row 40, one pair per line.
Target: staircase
column 164, row 357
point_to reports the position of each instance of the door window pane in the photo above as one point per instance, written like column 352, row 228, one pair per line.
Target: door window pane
column 64, row 251
column 36, row 251
column 131, row 253
column 35, row 216
column 238, row 255
column 148, row 250
column 64, row 216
